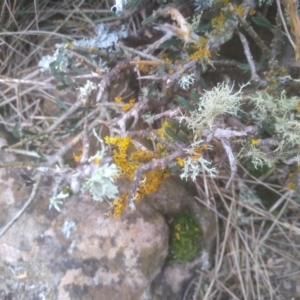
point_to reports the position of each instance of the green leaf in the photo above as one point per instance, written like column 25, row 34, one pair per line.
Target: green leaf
column 61, row 87
column 185, row 103
column 129, row 123
column 61, row 104
column 267, row 128
column 171, row 42
column 244, row 67
column 16, row 130
column 204, row 27
column 182, row 136
column 149, row 20
column 79, row 71
column 59, row 76
column 194, row 96
column 230, row 17
column 262, row 22
column 203, row 83
column 241, row 29
column 173, row 124
column 133, row 4
column 173, row 135
column 152, row 88
column 28, row 132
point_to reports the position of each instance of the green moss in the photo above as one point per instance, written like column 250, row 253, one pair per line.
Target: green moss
column 185, row 238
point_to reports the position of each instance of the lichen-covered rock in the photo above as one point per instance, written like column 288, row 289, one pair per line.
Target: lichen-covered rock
column 77, row 253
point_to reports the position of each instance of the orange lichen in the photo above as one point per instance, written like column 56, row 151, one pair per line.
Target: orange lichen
column 197, row 151
column 120, row 156
column 150, row 181
column 202, row 52
column 119, row 205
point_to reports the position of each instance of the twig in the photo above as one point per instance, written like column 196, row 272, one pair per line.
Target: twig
column 284, row 24
column 231, row 158
column 292, row 10
column 134, row 112
column 34, row 83
column 251, row 63
column 111, row 76
column 154, row 164
column 267, row 53
column 69, row 112
column 22, row 210
column 145, row 55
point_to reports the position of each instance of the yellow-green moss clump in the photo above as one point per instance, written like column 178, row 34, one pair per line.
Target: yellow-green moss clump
column 185, row 238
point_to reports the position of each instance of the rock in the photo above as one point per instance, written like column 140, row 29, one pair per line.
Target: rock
column 77, row 253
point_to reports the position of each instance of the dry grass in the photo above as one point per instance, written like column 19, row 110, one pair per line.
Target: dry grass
column 255, row 246
column 30, row 30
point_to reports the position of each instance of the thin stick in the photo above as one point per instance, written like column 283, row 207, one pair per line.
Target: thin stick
column 22, row 210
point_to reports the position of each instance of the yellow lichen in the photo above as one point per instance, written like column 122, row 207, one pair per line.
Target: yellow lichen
column 218, row 23
column 298, row 106
column 129, row 105
column 202, row 52
column 150, row 181
column 239, row 9
column 142, row 156
column 119, row 205
column 161, row 132
column 197, row 151
column 97, row 160
column 290, row 185
column 180, row 161
column 77, row 155
column 118, row 100
column 255, row 142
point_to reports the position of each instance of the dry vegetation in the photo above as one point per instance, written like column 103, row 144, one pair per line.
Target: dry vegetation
column 52, row 116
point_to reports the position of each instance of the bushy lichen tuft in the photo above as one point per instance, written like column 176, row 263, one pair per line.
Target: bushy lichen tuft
column 214, row 103
column 280, row 117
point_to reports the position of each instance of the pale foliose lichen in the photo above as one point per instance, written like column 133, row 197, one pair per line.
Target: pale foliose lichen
column 101, row 183
column 61, row 60
column 67, row 228
column 192, row 168
column 119, row 6
column 187, row 80
column 86, row 90
column 203, row 4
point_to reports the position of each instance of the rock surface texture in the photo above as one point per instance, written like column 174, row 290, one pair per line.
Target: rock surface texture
column 79, row 253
